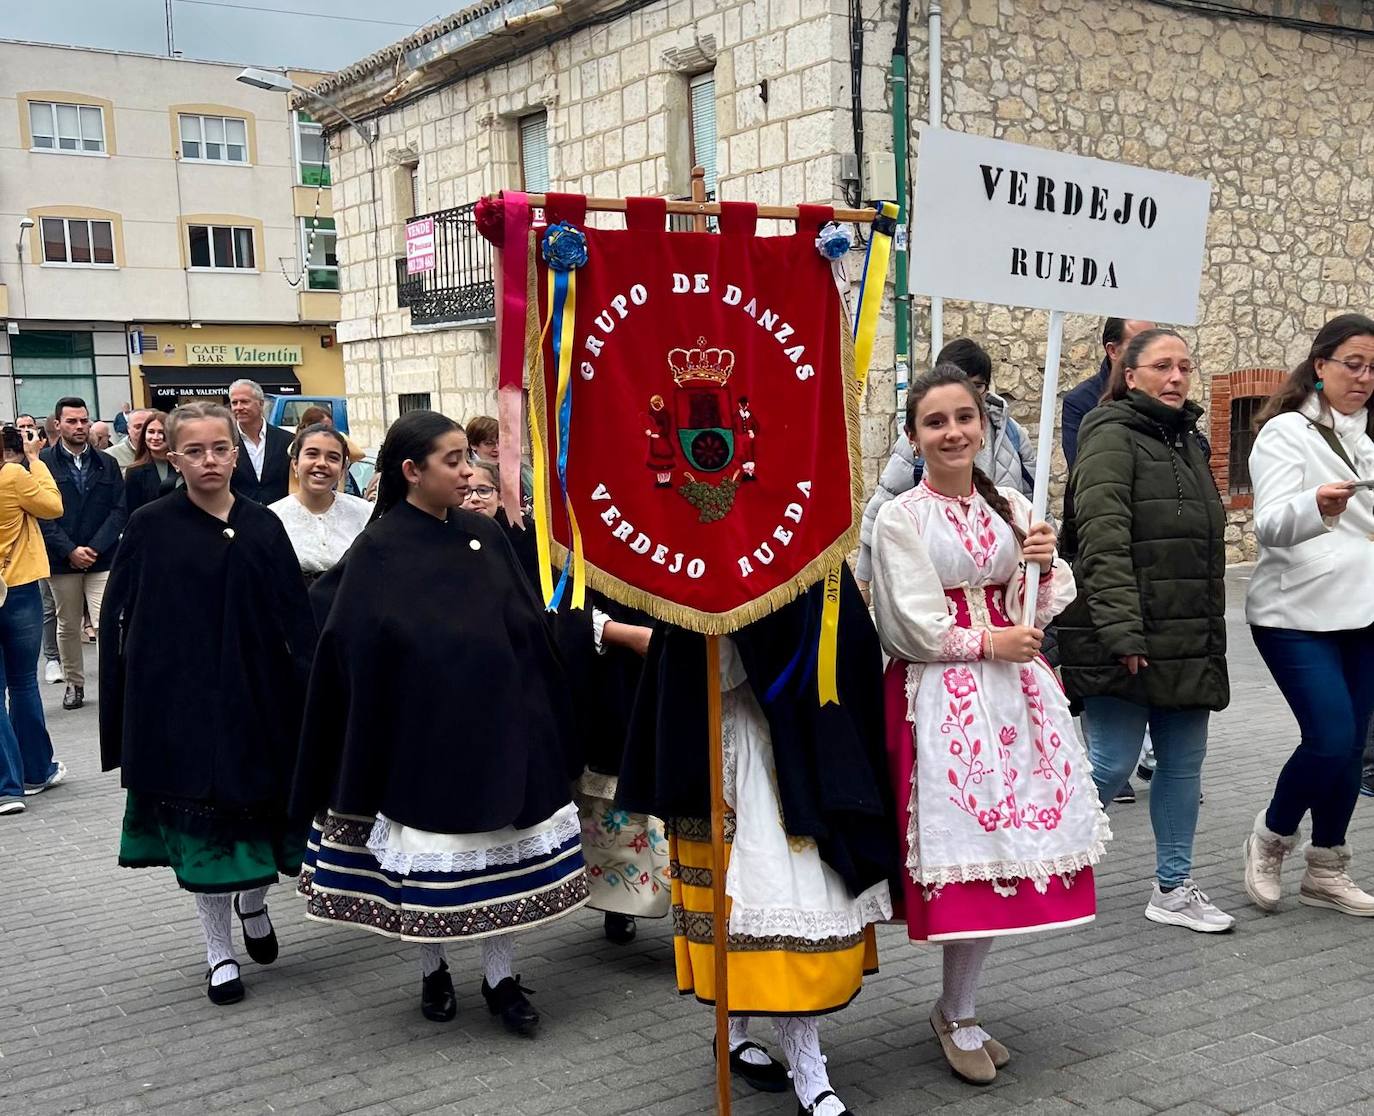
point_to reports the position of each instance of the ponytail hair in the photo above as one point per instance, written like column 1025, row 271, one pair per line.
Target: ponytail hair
column 944, row 375
column 411, row 438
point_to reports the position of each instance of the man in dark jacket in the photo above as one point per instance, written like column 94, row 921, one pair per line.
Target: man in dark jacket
column 1116, row 332
column 262, row 472
column 81, row 544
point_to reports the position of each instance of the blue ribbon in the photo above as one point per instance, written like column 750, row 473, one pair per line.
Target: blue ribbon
column 560, row 301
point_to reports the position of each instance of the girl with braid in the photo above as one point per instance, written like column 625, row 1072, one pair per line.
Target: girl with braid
column 999, row 820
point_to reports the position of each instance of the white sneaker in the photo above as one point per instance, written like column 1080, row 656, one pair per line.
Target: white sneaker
column 30, row 789
column 1187, row 906
column 11, row 806
column 53, row 671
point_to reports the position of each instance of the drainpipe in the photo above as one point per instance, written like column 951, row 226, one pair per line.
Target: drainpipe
column 900, row 124
column 937, row 115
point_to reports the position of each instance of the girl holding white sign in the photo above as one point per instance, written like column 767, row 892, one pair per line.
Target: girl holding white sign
column 998, row 817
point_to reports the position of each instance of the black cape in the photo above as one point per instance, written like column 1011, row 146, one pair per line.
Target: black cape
column 602, row 684
column 830, row 760
column 437, row 697
column 201, row 698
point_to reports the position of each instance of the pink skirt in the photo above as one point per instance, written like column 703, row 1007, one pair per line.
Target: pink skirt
column 966, row 910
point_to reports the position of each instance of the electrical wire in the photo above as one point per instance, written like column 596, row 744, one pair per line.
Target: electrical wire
column 293, row 12
column 1232, row 11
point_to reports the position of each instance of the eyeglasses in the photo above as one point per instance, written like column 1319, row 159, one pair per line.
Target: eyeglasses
column 1354, row 365
column 482, row 491
column 1163, row 367
column 197, row 455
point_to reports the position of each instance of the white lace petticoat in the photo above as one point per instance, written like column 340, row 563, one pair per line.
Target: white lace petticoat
column 403, row 849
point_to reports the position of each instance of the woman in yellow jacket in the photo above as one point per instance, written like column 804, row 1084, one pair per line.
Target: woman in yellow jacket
column 27, row 493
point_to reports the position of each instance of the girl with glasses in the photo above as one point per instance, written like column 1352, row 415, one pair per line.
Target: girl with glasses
column 208, row 770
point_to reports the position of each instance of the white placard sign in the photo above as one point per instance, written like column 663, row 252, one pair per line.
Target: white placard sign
column 1015, row 225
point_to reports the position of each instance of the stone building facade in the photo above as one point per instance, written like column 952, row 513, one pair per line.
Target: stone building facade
column 1275, row 105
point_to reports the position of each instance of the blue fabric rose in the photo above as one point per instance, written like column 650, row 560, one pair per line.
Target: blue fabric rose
column 565, row 246
column 833, row 242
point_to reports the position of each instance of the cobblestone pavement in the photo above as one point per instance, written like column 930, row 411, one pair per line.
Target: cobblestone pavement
column 102, row 1003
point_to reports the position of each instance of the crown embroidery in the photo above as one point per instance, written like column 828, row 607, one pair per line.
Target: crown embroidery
column 701, row 364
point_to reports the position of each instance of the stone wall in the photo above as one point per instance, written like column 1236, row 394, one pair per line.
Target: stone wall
column 1281, row 122
column 1278, row 119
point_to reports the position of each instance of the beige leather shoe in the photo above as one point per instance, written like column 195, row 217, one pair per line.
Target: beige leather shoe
column 1327, row 883
column 999, row 1054
column 973, row 1066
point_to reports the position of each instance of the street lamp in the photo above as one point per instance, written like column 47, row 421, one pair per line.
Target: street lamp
column 274, row 81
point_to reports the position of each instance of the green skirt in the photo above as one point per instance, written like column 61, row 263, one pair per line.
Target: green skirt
column 210, row 849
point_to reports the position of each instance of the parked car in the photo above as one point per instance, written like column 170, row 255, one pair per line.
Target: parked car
column 285, row 410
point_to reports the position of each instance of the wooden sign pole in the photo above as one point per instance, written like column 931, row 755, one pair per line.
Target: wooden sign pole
column 1044, row 448
column 720, row 919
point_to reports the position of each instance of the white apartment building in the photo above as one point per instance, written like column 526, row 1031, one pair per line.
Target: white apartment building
column 164, row 229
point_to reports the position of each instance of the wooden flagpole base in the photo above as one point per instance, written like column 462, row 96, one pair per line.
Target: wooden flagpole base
column 720, row 923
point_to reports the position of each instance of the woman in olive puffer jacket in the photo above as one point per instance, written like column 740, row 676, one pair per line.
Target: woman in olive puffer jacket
column 1145, row 643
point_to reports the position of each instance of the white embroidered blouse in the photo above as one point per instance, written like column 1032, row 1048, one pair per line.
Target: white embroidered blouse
column 930, row 542
column 321, row 540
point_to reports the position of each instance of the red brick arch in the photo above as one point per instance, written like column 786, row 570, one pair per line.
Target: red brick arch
column 1246, row 383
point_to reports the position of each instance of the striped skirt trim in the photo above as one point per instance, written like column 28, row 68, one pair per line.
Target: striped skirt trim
column 342, row 882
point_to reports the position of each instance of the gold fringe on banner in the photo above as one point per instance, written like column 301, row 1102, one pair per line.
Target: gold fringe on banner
column 720, row 623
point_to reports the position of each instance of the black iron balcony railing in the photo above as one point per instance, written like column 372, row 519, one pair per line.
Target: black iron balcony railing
column 460, row 287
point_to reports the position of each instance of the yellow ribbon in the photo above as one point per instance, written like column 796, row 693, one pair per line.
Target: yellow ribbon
column 865, row 331
column 540, row 463
column 565, row 350
column 830, row 639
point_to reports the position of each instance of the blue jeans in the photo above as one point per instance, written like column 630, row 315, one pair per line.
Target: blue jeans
column 1327, row 678
column 1115, row 730
column 25, row 747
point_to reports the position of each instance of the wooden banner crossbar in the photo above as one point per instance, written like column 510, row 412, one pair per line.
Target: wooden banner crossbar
column 712, row 209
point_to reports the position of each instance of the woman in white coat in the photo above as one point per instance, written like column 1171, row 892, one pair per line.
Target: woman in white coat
column 1309, row 608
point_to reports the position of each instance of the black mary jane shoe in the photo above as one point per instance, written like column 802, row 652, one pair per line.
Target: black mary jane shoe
column 438, row 1003
column 771, row 1077
column 809, row 1110
column 620, row 928
column 230, row 992
column 508, row 1001
column 263, row 950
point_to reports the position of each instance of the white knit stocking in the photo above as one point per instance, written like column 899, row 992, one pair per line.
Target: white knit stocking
column 739, row 1034
column 256, row 900
column 497, row 954
column 216, row 914
column 801, row 1043
column 431, row 957
column 963, row 967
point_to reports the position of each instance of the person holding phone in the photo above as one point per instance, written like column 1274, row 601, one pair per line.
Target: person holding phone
column 27, row 493
column 1144, row 645
column 1312, row 466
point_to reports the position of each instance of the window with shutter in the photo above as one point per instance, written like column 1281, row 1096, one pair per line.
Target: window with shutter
column 534, row 152
column 703, row 103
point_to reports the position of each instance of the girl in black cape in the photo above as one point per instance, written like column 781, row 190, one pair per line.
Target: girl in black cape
column 810, row 850
column 435, row 824
column 200, row 703
column 602, row 648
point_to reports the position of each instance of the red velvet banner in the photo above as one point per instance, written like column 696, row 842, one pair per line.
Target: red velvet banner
column 713, row 458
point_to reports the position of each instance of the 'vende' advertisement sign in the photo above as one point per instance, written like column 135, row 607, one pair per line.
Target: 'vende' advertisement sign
column 420, row 246
column 711, row 433
column 1014, row 225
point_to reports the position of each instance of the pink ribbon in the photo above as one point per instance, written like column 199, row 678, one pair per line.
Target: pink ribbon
column 511, row 263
